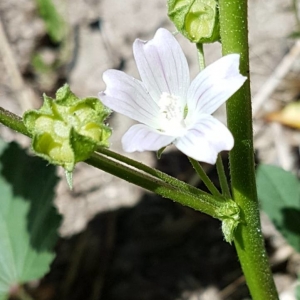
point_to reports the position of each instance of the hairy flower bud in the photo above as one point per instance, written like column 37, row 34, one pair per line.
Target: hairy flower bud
column 197, row 20
column 67, row 129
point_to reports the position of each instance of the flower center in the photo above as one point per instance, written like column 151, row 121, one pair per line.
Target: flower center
column 171, row 119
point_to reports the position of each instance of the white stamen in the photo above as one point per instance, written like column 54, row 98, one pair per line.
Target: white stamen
column 171, row 114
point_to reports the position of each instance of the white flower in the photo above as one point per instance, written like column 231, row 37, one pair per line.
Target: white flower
column 171, row 109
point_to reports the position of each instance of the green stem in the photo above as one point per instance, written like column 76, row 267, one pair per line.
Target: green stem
column 206, row 203
column 154, row 172
column 209, row 184
column 223, row 178
column 201, row 57
column 13, row 121
column 248, row 237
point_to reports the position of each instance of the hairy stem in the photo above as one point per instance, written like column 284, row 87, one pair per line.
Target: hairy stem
column 248, row 238
column 13, row 121
column 206, row 180
column 201, row 57
column 154, row 172
column 205, row 203
column 223, row 178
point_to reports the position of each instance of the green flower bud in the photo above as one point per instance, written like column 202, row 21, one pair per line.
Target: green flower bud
column 67, row 129
column 197, row 20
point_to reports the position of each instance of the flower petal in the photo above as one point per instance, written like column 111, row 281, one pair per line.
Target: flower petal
column 128, row 96
column 214, row 85
column 162, row 65
column 141, row 138
column 205, row 140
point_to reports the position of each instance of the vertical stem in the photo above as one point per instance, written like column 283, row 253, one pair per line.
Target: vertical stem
column 201, row 57
column 248, row 237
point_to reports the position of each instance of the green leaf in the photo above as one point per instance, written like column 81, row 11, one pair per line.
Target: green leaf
column 279, row 193
column 28, row 220
column 55, row 24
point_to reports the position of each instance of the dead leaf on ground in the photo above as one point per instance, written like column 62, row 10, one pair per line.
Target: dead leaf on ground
column 289, row 115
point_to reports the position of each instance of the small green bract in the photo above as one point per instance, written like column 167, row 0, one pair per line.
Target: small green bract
column 230, row 216
column 67, row 129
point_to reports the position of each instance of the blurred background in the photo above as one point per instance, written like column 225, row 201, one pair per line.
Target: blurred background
column 118, row 242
